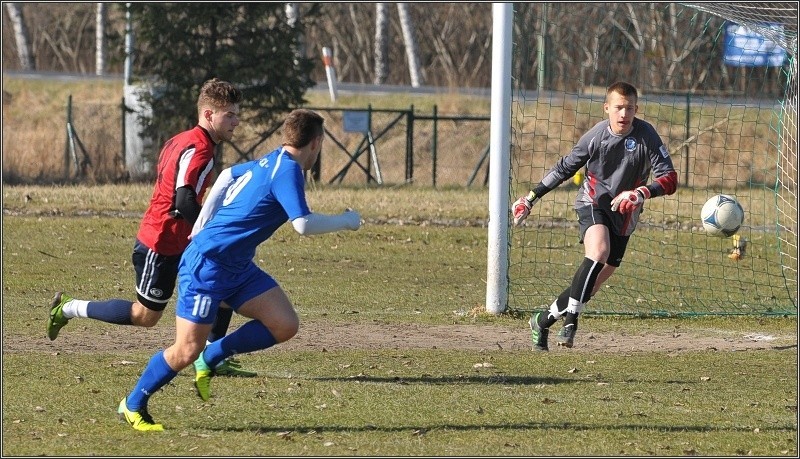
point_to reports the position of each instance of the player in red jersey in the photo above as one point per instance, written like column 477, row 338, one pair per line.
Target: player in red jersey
column 185, row 166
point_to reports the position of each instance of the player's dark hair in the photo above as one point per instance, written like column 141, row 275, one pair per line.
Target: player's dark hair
column 624, row 89
column 301, row 127
column 217, row 94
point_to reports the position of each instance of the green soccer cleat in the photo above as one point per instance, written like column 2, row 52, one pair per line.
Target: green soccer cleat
column 202, row 378
column 56, row 320
column 538, row 334
column 139, row 420
column 202, row 382
column 231, row 367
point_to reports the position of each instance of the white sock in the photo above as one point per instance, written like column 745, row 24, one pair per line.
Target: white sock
column 574, row 306
column 554, row 310
column 75, row 308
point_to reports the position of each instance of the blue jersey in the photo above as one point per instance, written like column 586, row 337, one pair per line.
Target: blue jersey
column 267, row 192
column 237, row 170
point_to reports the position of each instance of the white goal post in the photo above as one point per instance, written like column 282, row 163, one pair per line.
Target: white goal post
column 499, row 163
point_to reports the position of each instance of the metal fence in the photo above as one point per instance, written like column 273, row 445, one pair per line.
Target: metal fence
column 386, row 147
column 363, row 147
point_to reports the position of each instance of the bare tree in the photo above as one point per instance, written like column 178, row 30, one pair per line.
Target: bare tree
column 100, row 40
column 381, row 42
column 293, row 18
column 596, row 27
column 461, row 38
column 680, row 46
column 662, row 46
column 352, row 49
column 21, row 36
column 411, row 44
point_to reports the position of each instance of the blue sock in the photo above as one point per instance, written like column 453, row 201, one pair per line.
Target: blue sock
column 111, row 311
column 252, row 336
column 156, row 375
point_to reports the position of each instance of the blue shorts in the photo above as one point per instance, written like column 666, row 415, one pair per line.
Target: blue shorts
column 203, row 284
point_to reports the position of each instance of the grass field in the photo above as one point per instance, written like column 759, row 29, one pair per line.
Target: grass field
column 378, row 368
column 35, row 115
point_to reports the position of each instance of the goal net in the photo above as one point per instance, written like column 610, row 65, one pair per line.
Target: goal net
column 719, row 83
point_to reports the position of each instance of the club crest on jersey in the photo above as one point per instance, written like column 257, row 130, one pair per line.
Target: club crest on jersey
column 630, row 144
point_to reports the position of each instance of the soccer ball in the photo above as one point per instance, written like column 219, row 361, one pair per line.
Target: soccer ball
column 722, row 215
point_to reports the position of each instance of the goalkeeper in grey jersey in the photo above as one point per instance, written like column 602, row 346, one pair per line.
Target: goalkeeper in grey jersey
column 619, row 155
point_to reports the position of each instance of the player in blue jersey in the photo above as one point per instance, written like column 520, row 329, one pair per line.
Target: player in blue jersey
column 218, row 265
column 619, row 155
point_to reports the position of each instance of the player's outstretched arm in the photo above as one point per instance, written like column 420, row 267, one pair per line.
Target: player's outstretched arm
column 314, row 223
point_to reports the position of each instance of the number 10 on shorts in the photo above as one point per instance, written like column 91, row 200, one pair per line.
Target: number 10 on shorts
column 202, row 306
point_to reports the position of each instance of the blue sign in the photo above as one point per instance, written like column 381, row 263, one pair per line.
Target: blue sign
column 746, row 48
column 356, row 121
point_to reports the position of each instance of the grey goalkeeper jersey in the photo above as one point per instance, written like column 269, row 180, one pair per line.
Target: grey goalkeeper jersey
column 614, row 164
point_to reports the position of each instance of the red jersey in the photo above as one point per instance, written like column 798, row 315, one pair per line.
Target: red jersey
column 185, row 160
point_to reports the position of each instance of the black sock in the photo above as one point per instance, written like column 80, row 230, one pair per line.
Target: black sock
column 571, row 318
column 582, row 286
column 221, row 324
column 585, row 277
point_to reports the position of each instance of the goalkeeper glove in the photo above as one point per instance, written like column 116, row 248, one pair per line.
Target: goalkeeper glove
column 628, row 201
column 522, row 207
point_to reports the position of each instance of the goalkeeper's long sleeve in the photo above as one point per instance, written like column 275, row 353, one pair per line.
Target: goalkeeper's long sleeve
column 540, row 190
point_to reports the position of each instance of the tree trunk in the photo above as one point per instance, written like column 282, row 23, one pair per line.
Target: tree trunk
column 381, row 42
column 21, row 36
column 411, row 44
column 100, row 42
column 292, row 17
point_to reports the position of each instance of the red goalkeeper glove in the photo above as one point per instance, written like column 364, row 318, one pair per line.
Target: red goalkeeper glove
column 522, row 207
column 628, row 201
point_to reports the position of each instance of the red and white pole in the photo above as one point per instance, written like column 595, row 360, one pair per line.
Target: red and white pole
column 330, row 73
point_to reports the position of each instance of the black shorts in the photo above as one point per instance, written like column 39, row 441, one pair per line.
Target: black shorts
column 155, row 276
column 589, row 216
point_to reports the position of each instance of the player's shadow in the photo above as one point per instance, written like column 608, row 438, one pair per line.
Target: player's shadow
column 784, row 348
column 475, row 379
column 456, row 379
column 423, row 429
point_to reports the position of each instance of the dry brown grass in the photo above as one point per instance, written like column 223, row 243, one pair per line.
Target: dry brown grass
column 34, row 128
column 731, row 147
column 35, row 115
